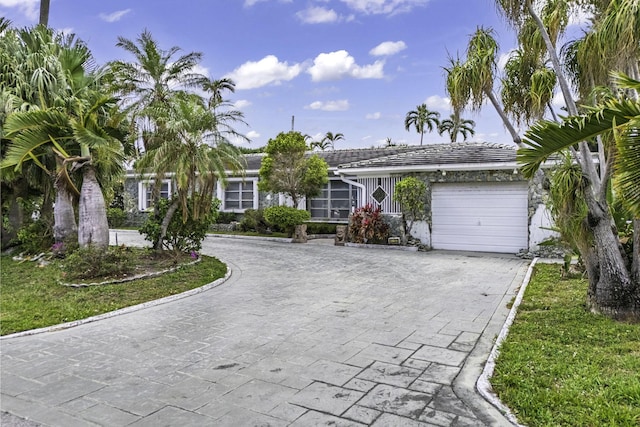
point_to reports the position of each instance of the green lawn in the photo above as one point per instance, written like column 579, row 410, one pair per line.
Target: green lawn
column 563, row 366
column 32, row 297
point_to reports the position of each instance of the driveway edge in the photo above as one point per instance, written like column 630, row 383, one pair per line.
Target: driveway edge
column 122, row 311
column 483, row 384
column 475, row 368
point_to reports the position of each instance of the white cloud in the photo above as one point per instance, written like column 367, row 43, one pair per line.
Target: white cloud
column 386, row 7
column 339, row 105
column 114, row 16
column 438, row 103
column 317, row 15
column 373, row 116
column 268, row 70
column 339, row 64
column 388, row 48
column 252, row 134
column 199, row 69
column 30, row 8
column 241, row 103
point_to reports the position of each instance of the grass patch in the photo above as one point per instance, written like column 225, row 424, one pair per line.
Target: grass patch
column 33, row 297
column 561, row 365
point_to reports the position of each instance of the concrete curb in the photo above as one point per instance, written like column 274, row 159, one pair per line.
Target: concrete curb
column 483, row 384
column 386, row 247
column 241, row 237
column 122, row 311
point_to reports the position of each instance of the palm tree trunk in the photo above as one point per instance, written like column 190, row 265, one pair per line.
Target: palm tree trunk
column 44, row 12
column 611, row 290
column 505, row 120
column 164, row 226
column 93, row 228
column 64, row 219
column 635, row 263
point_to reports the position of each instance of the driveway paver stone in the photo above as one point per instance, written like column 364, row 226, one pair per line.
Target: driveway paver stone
column 300, row 335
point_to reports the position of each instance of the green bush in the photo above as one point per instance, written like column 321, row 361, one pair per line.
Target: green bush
column 90, row 263
column 225, row 217
column 366, row 225
column 286, row 217
column 35, row 237
column 182, row 236
column 321, row 228
column 116, row 217
column 253, row 220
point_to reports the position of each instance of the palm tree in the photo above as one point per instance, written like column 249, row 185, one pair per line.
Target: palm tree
column 44, row 12
column 34, row 79
column 471, row 82
column 420, row 118
column 330, row 139
column 81, row 138
column 601, row 49
column 619, row 118
column 149, row 82
column 198, row 154
column 455, row 126
column 216, row 87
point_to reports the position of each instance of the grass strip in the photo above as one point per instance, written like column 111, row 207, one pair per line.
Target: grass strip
column 31, row 297
column 562, row 365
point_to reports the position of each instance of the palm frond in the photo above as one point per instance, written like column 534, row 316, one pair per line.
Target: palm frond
column 547, row 138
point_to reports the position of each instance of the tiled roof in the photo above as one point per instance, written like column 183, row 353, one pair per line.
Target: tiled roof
column 339, row 157
column 440, row 154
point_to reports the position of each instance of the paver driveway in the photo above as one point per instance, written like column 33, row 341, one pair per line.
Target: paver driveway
column 299, row 335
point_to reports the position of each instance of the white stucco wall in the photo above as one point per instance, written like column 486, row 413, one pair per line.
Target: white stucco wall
column 539, row 227
column 420, row 231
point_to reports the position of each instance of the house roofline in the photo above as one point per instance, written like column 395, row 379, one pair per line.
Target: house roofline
column 449, row 167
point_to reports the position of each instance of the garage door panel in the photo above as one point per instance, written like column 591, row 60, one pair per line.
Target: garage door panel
column 489, row 217
column 486, row 233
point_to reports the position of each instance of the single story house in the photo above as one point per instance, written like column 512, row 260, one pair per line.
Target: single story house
column 476, row 199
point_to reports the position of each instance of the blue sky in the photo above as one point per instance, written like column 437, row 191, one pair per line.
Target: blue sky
column 350, row 66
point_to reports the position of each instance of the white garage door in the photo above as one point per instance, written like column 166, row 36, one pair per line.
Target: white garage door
column 483, row 217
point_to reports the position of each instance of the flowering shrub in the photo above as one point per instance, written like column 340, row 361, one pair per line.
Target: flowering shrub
column 366, row 225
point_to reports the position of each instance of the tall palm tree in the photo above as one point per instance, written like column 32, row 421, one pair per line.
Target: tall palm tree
column 618, row 118
column 456, row 125
column 330, row 140
column 471, row 82
column 608, row 273
column 196, row 152
column 216, row 87
column 44, row 12
column 422, row 119
column 148, row 83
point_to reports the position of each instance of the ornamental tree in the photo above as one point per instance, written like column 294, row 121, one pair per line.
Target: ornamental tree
column 410, row 193
column 287, row 169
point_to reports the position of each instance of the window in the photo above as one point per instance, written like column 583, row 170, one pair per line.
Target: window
column 145, row 193
column 335, row 201
column 239, row 196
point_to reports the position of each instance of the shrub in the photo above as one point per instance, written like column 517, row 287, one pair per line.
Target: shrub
column 90, row 263
column 225, row 217
column 182, row 236
column 35, row 237
column 410, row 194
column 366, row 225
column 286, row 217
column 321, row 228
column 253, row 220
column 116, row 217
